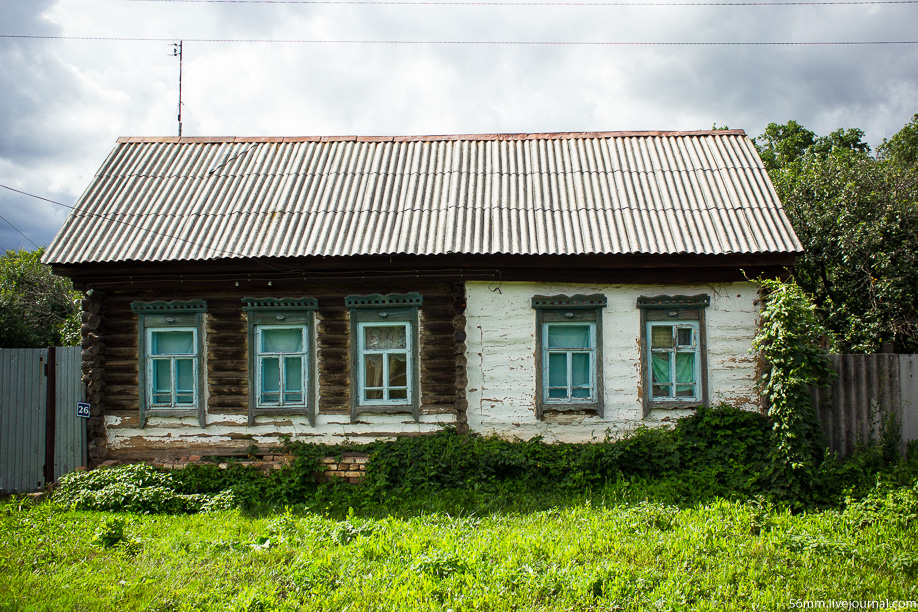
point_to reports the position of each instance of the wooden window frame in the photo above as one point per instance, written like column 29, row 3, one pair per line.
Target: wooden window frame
column 674, row 309
column 564, row 309
column 388, row 309
column 281, row 313
column 177, row 315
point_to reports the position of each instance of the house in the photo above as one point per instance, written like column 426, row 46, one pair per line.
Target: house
column 564, row 285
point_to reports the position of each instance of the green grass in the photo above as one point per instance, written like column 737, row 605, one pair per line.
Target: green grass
column 555, row 552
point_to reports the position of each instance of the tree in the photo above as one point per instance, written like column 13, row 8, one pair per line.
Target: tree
column 903, row 147
column 857, row 217
column 37, row 309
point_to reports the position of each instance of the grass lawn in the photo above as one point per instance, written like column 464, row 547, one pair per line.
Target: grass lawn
column 580, row 554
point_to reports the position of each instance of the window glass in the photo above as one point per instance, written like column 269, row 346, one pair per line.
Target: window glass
column 381, row 338
column 386, row 363
column 569, row 357
column 568, row 336
column 282, row 340
column 673, row 360
column 171, row 363
column 281, row 358
column 172, row 343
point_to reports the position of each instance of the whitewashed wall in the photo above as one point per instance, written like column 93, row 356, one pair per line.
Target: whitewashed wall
column 502, row 370
column 233, row 431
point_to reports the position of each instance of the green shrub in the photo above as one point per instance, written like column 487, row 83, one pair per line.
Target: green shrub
column 137, row 488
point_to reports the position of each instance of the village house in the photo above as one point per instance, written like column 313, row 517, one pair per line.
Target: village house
column 570, row 286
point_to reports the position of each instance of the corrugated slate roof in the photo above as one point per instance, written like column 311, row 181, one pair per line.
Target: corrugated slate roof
column 160, row 199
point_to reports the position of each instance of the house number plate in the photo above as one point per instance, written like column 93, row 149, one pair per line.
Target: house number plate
column 83, row 409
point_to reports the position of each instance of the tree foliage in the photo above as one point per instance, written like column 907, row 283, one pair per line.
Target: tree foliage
column 857, row 217
column 37, row 309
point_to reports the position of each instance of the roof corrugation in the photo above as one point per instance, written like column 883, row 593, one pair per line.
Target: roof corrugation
column 160, row 199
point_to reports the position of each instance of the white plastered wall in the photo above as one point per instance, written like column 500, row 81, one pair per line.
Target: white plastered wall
column 502, row 366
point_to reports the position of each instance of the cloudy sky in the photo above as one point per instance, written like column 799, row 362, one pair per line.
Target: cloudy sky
column 64, row 100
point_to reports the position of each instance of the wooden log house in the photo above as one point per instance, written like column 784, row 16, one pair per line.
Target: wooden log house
column 571, row 286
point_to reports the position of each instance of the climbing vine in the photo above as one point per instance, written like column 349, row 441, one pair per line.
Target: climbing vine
column 789, row 344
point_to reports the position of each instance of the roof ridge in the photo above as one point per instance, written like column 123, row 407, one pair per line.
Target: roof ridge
column 427, row 138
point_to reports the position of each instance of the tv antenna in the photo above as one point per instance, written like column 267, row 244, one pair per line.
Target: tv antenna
column 177, row 52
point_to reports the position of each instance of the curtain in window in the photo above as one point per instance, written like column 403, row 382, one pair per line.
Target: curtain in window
column 172, row 343
column 282, row 341
column 568, row 336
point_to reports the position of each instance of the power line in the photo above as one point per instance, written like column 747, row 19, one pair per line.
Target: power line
column 477, row 42
column 17, row 229
column 163, row 234
column 549, row 4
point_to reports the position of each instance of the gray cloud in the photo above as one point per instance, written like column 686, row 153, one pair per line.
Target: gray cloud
column 65, row 102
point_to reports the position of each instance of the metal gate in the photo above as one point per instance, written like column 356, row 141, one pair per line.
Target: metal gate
column 39, row 391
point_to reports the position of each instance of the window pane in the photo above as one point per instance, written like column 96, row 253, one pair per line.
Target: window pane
column 293, row 374
column 685, row 367
column 184, row 375
column 162, row 378
column 685, row 336
column 685, row 390
column 661, row 336
column 580, row 369
column 661, row 391
column 282, row 341
column 373, row 371
column 557, row 370
column 385, row 337
column 398, row 394
column 372, row 394
column 398, row 370
column 568, row 336
column 557, row 393
column 184, row 398
column 660, row 368
column 270, row 378
column 172, row 343
column 581, row 393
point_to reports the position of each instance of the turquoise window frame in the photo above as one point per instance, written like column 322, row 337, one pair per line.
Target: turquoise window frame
column 565, row 310
column 693, row 347
column 266, row 313
column 176, row 315
column 676, row 311
column 569, row 353
column 386, row 388
column 390, row 309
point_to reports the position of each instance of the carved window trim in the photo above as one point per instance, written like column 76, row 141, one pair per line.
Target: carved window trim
column 385, row 310
column 163, row 316
column 281, row 313
column 688, row 310
column 569, row 310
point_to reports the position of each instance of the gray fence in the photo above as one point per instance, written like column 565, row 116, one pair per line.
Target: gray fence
column 868, row 391
column 41, row 436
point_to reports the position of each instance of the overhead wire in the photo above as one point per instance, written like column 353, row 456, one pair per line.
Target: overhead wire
column 309, row 275
column 152, row 231
column 18, row 230
column 548, row 4
column 472, row 42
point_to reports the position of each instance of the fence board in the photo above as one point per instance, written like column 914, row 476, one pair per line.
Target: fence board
column 70, row 438
column 908, row 386
column 868, row 389
column 23, row 412
column 22, row 419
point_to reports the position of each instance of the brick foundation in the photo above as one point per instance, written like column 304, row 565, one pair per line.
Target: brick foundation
column 349, row 467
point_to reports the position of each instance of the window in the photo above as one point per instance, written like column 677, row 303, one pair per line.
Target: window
column 281, row 357
column 673, row 350
column 569, row 352
column 171, row 351
column 384, row 353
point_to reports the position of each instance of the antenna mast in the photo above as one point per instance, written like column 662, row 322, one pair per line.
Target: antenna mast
column 177, row 52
